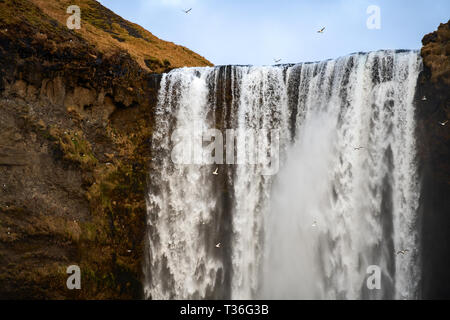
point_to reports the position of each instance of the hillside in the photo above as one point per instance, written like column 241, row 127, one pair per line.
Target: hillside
column 76, row 119
column 101, row 28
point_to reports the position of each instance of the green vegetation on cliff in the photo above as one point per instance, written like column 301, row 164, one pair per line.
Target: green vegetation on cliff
column 76, row 116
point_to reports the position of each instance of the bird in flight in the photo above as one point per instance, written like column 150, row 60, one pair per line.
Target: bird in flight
column 443, row 123
column 358, row 148
column 216, row 172
column 321, row 30
column 403, row 251
column 218, row 245
column 277, row 60
column 187, row 11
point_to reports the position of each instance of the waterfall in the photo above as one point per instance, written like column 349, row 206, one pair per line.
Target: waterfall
column 342, row 193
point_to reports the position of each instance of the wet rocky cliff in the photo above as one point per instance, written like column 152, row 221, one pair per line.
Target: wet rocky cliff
column 75, row 129
column 433, row 110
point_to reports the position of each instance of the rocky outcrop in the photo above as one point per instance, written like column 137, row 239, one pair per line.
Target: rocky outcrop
column 75, row 132
column 433, row 105
column 76, row 123
column 107, row 31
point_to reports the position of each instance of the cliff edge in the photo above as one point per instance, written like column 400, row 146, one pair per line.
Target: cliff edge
column 76, row 121
column 433, row 110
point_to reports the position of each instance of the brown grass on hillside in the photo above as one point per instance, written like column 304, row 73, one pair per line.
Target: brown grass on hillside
column 436, row 52
column 109, row 32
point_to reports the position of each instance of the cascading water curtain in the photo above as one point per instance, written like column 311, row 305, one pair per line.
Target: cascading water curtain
column 341, row 201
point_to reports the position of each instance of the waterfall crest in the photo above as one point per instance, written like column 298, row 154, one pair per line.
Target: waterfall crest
column 344, row 198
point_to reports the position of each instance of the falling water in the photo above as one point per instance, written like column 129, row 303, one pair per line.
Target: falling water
column 345, row 196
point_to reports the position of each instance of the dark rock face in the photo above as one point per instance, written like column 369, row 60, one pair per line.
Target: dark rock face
column 75, row 127
column 433, row 105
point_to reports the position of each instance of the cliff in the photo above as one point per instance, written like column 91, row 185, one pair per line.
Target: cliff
column 76, row 118
column 76, row 121
column 433, row 108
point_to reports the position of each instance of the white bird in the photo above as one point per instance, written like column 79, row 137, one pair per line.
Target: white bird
column 216, row 172
column 277, row 60
column 424, row 98
column 321, row 30
column 218, row 245
column 443, row 123
column 403, row 251
column 187, row 11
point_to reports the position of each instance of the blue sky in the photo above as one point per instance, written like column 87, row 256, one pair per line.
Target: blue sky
column 258, row 31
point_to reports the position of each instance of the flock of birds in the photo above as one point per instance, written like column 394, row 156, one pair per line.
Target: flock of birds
column 314, row 224
column 187, row 11
column 424, row 98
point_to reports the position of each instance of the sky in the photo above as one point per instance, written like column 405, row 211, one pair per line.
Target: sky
column 258, row 31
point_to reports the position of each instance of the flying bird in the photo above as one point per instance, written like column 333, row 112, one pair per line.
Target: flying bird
column 187, row 11
column 321, row 30
column 277, row 60
column 216, row 172
column 218, row 245
column 358, row 148
column 403, row 251
column 443, row 123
